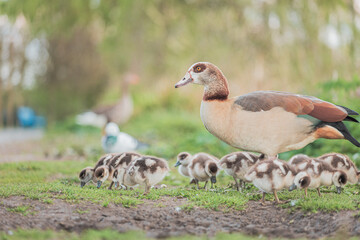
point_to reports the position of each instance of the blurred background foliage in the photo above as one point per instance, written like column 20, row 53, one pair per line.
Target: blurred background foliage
column 64, row 57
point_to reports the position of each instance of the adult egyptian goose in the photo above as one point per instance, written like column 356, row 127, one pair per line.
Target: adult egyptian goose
column 268, row 122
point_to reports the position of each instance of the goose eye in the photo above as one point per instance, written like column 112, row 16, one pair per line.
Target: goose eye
column 198, row 69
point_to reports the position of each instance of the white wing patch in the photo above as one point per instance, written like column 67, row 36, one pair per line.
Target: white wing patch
column 282, row 169
column 119, row 159
column 262, row 167
column 248, row 156
column 346, row 163
column 316, row 167
column 149, row 162
column 107, row 159
column 232, row 158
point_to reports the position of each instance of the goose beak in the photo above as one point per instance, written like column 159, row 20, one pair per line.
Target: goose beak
column 82, row 184
column 186, row 80
column 177, row 164
column 292, row 187
column 99, row 184
column 213, row 179
column 338, row 190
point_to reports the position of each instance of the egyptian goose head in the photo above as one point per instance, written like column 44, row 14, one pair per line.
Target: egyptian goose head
column 208, row 75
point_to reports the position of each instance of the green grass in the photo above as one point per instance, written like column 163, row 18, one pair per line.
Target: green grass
column 34, row 180
column 24, row 209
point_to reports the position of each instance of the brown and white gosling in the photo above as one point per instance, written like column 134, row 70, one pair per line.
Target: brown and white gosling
column 343, row 162
column 272, row 176
column 183, row 161
column 121, row 160
column 204, row 167
column 320, row 172
column 87, row 174
column 237, row 164
column 146, row 171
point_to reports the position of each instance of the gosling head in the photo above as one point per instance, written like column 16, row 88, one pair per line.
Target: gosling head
column 183, row 158
column 301, row 180
column 339, row 179
column 86, row 175
column 101, row 174
column 211, row 170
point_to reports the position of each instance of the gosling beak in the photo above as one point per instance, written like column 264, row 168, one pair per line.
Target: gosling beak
column 116, row 184
column 177, row 164
column 213, row 179
column 292, row 187
column 338, row 190
column 186, row 80
column 82, row 184
column 99, row 184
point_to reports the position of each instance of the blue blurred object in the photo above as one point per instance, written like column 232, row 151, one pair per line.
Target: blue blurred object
column 28, row 118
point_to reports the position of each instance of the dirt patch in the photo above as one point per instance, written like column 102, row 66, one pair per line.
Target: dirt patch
column 167, row 219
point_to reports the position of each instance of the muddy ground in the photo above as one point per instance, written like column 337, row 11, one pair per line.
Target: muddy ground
column 168, row 220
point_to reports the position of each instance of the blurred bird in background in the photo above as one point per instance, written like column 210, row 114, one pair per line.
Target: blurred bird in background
column 114, row 141
column 119, row 113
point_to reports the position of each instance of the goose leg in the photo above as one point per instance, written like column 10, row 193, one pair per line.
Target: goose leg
column 276, row 197
column 147, row 187
column 318, row 191
column 263, row 198
column 236, row 184
column 197, row 184
column 205, row 185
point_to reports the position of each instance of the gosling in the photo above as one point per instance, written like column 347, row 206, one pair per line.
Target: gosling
column 146, row 171
column 272, row 176
column 321, row 174
column 120, row 160
column 237, row 164
column 344, row 163
column 87, row 174
column 202, row 168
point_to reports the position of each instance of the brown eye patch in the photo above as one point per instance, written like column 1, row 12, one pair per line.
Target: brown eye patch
column 183, row 156
column 199, row 67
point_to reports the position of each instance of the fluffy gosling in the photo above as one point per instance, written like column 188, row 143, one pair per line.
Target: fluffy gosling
column 203, row 167
column 321, row 173
column 237, row 164
column 105, row 172
column 343, row 162
column 146, row 171
column 87, row 174
column 272, row 176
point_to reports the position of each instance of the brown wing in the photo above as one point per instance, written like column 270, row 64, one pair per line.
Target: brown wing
column 297, row 104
